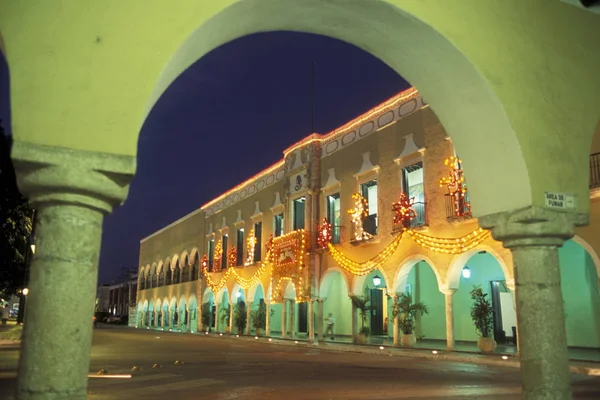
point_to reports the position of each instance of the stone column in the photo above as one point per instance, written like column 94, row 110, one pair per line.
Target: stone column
column 448, row 293
column 513, row 288
column 395, row 328
column 533, row 235
column 311, row 321
column 230, row 319
column 162, row 319
column 268, row 319
column 71, row 192
column 354, row 324
column 292, row 318
column 320, row 319
column 217, row 317
column 284, row 318
column 248, row 318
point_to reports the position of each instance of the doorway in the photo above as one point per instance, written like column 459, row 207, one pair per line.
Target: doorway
column 302, row 318
column 376, row 311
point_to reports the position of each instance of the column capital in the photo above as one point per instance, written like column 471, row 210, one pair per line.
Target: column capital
column 533, row 226
column 47, row 175
column 448, row 291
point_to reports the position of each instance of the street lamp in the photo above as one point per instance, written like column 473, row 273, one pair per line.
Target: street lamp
column 33, row 249
column 25, row 292
column 466, row 272
column 376, row 280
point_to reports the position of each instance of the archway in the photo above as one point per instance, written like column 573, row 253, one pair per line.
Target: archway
column 223, row 315
column 165, row 313
column 182, row 314
column 289, row 310
column 161, row 274
column 375, row 286
column 195, row 263
column 334, row 288
column 418, row 277
column 167, row 271
column 581, row 294
column 256, row 301
column 145, row 313
column 481, row 268
column 184, row 268
column 150, row 314
column 172, row 313
column 153, row 280
column 140, row 314
column 209, row 310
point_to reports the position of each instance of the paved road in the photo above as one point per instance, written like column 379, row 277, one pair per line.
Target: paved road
column 229, row 368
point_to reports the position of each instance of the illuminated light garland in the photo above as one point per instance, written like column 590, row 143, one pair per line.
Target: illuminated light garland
column 363, row 268
column 245, row 283
column 218, row 255
column 403, row 209
column 288, row 256
column 358, row 214
column 204, row 263
column 232, row 256
column 457, row 188
column 324, row 234
column 451, row 246
column 250, row 246
column 269, row 248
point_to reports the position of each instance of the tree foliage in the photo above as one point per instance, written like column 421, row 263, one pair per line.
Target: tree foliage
column 15, row 224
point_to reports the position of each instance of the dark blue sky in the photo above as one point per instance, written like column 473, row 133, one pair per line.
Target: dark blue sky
column 229, row 116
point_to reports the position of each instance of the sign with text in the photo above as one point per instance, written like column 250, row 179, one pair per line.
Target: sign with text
column 559, row 200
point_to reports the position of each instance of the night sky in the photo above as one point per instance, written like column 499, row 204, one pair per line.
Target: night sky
column 228, row 117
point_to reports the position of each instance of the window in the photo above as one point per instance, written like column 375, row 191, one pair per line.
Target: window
column 211, row 254
column 240, row 247
column 334, row 216
column 369, row 191
column 224, row 257
column 258, row 246
column 278, row 225
column 412, row 186
column 298, row 213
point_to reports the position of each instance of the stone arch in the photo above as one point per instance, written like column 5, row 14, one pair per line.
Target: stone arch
column 252, row 292
column 406, row 266
column 590, row 250
column 184, row 267
column 359, row 281
column 381, row 24
column 233, row 296
column 289, row 291
column 208, row 295
column 329, row 275
column 154, row 275
column 161, row 273
column 167, row 271
column 460, row 260
column 195, row 264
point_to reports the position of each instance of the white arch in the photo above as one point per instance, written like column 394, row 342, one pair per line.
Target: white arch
column 181, row 305
column 191, row 302
column 165, row 304
column 151, row 305
column 207, row 296
column 173, row 304
column 158, row 305
column 405, row 268
column 460, row 260
column 140, row 306
column 359, row 281
column 218, row 299
column 413, row 49
column 194, row 256
column 328, row 277
column 159, row 267
column 233, row 299
column 254, row 289
column 183, row 259
column 145, row 306
column 174, row 262
column 269, row 293
column 590, row 250
column 290, row 291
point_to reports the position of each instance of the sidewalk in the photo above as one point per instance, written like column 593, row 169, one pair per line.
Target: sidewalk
column 10, row 334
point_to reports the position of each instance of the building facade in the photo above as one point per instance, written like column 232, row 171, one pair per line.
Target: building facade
column 377, row 208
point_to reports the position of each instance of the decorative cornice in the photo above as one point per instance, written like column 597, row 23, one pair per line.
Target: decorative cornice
column 367, row 167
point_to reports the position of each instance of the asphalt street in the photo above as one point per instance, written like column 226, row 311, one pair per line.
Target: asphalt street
column 231, row 368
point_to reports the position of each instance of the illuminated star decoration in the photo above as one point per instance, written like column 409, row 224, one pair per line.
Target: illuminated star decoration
column 218, row 255
column 403, row 209
column 324, row 234
column 457, row 188
column 358, row 214
column 250, row 246
column 232, row 256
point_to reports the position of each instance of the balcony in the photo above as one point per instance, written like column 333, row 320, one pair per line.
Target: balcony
column 594, row 170
column 464, row 207
column 420, row 218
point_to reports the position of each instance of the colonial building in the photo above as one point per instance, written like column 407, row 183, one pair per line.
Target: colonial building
column 377, row 208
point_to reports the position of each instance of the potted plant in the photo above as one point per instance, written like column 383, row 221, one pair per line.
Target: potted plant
column 482, row 316
column 207, row 318
column 362, row 304
column 225, row 317
column 259, row 318
column 240, row 317
column 406, row 311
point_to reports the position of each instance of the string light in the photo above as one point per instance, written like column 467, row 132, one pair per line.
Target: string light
column 250, row 246
column 218, row 255
column 324, row 234
column 358, row 214
column 457, row 188
column 451, row 245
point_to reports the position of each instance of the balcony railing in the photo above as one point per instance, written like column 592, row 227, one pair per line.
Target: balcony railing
column 595, row 170
column 464, row 208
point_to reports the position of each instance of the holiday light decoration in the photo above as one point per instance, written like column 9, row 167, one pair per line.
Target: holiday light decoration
column 245, row 283
column 204, row 263
column 288, row 264
column 269, row 249
column 457, row 188
column 358, row 214
column 363, row 268
column 403, row 209
column 451, row 245
column 250, row 246
column 324, row 234
column 218, row 255
column 232, row 256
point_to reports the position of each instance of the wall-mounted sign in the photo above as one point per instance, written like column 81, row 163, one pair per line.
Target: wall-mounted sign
column 559, row 200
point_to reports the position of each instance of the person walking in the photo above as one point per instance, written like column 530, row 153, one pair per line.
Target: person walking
column 329, row 322
column 5, row 314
